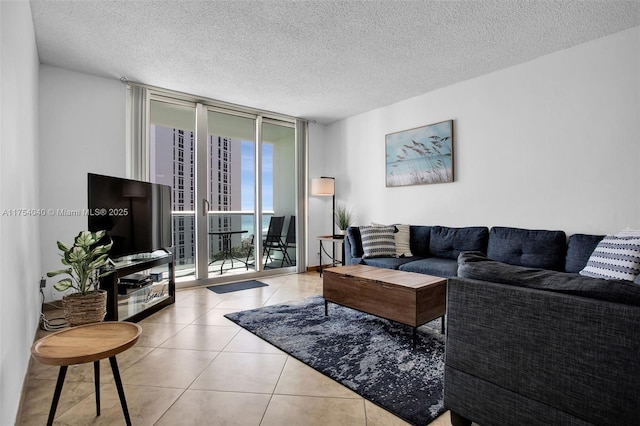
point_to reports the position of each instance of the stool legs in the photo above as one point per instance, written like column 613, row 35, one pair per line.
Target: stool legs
column 116, row 377
column 96, row 371
column 96, row 381
column 56, row 394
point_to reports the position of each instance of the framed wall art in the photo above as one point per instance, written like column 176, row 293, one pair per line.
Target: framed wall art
column 420, row 156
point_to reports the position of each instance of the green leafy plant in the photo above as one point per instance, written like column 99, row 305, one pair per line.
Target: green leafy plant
column 84, row 260
column 343, row 217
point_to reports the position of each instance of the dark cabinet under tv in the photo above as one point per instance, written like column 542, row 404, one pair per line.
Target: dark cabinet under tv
column 139, row 287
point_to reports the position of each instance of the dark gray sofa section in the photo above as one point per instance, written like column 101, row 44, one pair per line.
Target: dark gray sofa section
column 538, row 347
column 435, row 249
column 476, row 265
column 445, row 244
column 528, row 247
column 579, row 248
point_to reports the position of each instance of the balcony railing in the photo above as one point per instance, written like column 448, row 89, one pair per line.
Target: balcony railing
column 184, row 238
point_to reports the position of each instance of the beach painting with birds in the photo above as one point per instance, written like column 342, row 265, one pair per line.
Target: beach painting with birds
column 420, row 156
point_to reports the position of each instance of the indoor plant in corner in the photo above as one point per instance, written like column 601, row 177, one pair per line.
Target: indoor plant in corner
column 343, row 218
column 84, row 260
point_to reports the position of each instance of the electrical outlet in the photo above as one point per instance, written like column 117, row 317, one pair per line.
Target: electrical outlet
column 43, row 283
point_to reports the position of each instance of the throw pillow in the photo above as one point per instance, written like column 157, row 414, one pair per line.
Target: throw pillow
column 402, row 238
column 628, row 232
column 615, row 258
column 403, row 243
column 378, row 241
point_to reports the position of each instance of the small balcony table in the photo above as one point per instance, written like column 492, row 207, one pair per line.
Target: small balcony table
column 227, row 253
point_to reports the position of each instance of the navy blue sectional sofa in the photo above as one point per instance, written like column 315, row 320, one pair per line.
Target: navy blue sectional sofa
column 435, row 249
column 529, row 340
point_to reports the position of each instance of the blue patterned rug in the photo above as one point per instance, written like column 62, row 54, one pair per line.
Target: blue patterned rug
column 369, row 355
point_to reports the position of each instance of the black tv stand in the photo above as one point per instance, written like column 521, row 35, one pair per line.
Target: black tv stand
column 131, row 303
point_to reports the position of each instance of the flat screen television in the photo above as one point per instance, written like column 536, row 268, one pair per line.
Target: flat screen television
column 135, row 214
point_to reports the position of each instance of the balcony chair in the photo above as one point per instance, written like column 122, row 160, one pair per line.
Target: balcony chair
column 272, row 241
column 289, row 242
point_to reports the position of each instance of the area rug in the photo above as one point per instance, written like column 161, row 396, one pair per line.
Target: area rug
column 369, row 355
column 243, row 285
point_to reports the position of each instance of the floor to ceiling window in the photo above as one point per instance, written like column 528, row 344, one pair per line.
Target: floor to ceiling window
column 278, row 192
column 172, row 162
column 235, row 179
column 230, row 191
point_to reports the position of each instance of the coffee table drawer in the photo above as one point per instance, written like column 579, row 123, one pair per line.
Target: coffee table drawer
column 374, row 297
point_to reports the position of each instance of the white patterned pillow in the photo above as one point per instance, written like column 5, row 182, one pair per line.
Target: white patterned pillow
column 402, row 239
column 403, row 243
column 378, row 241
column 615, row 258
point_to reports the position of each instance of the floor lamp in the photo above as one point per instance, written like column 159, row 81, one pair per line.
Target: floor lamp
column 326, row 187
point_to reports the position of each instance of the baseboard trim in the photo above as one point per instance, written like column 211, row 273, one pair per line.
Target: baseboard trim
column 317, row 267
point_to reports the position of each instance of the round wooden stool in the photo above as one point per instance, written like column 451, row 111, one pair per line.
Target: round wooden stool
column 87, row 343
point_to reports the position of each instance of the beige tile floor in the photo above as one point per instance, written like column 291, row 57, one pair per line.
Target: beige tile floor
column 192, row 366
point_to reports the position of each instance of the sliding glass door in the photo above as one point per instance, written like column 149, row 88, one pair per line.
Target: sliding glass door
column 230, row 192
column 172, row 153
column 233, row 176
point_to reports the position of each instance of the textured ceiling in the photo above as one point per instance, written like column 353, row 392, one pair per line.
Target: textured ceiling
column 322, row 60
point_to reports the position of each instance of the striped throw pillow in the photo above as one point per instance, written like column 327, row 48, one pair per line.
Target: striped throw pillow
column 615, row 258
column 378, row 241
column 402, row 237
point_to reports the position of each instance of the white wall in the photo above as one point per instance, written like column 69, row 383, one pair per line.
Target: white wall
column 320, row 215
column 550, row 144
column 19, row 255
column 82, row 129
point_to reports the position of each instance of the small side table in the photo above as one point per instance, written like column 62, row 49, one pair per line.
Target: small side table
column 331, row 239
column 87, row 343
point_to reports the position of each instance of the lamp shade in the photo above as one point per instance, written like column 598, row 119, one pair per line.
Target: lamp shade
column 323, row 186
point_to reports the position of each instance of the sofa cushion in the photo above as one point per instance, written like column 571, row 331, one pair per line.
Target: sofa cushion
column 420, row 236
column 355, row 261
column 378, row 241
column 355, row 241
column 476, row 265
column 528, row 247
column 388, row 262
column 436, row 266
column 615, row 258
column 449, row 242
column 579, row 250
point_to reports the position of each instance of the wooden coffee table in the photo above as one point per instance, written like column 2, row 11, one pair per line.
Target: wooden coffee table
column 406, row 297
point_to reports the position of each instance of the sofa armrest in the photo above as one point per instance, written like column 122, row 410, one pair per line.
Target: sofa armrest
column 347, row 251
column 352, row 245
column 512, row 352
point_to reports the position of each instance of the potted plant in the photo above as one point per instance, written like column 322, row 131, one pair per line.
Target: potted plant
column 343, row 218
column 84, row 260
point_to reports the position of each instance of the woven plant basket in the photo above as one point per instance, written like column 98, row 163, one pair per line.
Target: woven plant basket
column 79, row 309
